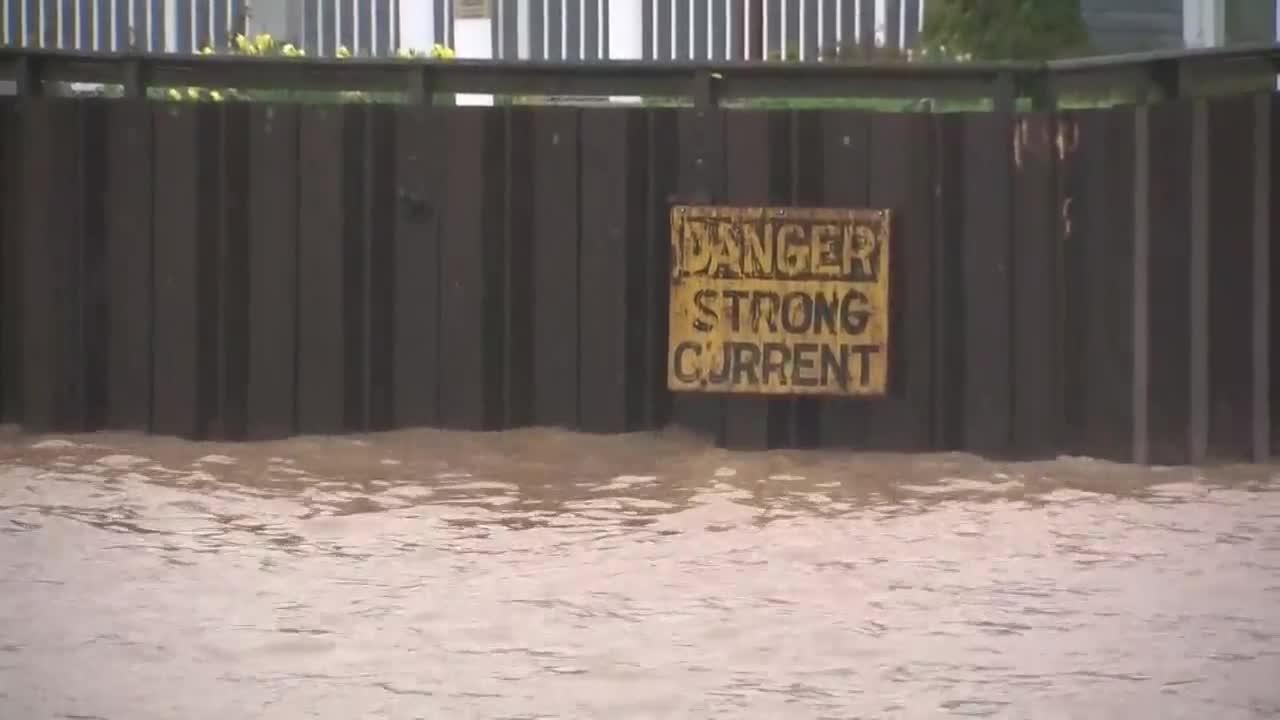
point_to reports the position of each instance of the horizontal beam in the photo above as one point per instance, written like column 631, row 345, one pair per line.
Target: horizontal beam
column 1173, row 73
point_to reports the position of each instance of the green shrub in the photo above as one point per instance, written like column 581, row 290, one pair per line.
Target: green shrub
column 1005, row 29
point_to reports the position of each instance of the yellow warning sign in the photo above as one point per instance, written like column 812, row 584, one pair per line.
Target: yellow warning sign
column 779, row 301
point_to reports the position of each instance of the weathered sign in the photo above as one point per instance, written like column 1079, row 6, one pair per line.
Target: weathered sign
column 779, row 301
column 470, row 9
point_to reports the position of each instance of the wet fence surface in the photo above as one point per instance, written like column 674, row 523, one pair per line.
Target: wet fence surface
column 1094, row 281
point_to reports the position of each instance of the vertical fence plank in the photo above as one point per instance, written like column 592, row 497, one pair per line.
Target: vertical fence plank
column 495, row 28
column 556, row 236
column 572, row 30
column 212, row 269
column 66, row 23
column 347, row 24
column 773, row 23
column 591, row 29
column 604, row 30
column 647, row 26
column 311, row 27
column 1141, row 285
column 987, row 397
column 683, row 34
column 738, row 29
column 829, row 29
column 95, row 280
column 182, row 22
column 1263, row 284
column 48, row 169
column 798, row 419
column 120, row 36
column 102, row 20
column 321, row 291
column 129, row 264
column 900, row 171
column 273, row 214
column 1036, row 342
column 378, row 245
column 893, row 24
column 420, row 145
column 518, row 281
column 846, row 138
column 1274, row 303
column 612, row 203
column 13, row 204
column 176, row 342
column 470, row 264
column 791, row 8
column 948, row 301
column 1098, row 273
column 538, row 29
column 1199, row 288
column 555, row 29
column 701, row 180
column 1230, row 257
column 364, row 27
column 221, row 24
column 204, row 35
column 700, row 29
column 1169, row 304
column 848, row 25
column 137, row 28
column 756, row 164
column 384, row 41
column 511, row 30
column 439, row 23
column 357, row 173
column 328, row 27
column 810, row 28
column 910, row 24
column 234, row 326
column 719, row 21
column 84, row 25
column 867, row 25
column 13, row 23
column 664, row 48
column 661, row 182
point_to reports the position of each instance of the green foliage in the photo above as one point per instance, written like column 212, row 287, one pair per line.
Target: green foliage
column 265, row 46
column 1005, row 29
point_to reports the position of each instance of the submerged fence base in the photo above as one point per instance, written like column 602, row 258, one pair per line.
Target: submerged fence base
column 1093, row 282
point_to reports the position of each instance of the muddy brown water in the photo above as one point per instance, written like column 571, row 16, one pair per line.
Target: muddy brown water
column 543, row 574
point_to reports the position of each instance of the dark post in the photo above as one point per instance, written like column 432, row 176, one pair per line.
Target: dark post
column 422, row 83
column 134, row 78
column 27, row 77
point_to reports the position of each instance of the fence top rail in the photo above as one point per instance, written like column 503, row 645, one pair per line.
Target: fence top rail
column 1002, row 82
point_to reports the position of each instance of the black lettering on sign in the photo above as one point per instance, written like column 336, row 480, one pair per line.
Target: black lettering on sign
column 746, row 362
column 684, row 373
column 733, row 309
column 855, row 312
column 779, row 249
column 706, row 321
column 802, row 365
column 777, row 356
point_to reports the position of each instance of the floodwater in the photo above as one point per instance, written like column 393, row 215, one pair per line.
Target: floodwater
column 550, row 575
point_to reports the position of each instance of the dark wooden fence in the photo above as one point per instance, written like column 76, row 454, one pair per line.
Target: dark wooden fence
column 1094, row 281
